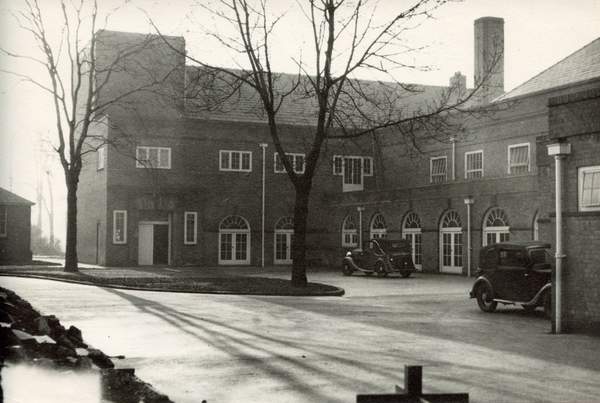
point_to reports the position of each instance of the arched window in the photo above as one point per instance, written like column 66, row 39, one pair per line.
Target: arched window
column 234, row 241
column 349, row 233
column 411, row 230
column 495, row 227
column 378, row 227
column 284, row 236
column 451, row 245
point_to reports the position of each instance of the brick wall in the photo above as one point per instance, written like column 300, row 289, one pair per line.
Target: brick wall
column 15, row 247
column 574, row 118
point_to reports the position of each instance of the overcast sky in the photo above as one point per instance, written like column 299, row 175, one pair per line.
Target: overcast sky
column 538, row 33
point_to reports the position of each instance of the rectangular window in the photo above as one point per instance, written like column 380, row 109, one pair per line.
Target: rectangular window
column 240, row 161
column 100, row 155
column 153, row 157
column 589, row 188
column 437, row 169
column 296, row 159
column 3, row 221
column 190, row 228
column 474, row 164
column 337, row 165
column 518, row 158
column 119, row 226
column 368, row 166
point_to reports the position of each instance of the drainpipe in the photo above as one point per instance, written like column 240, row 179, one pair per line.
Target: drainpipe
column 360, row 210
column 469, row 201
column 560, row 152
column 453, row 141
column 262, row 225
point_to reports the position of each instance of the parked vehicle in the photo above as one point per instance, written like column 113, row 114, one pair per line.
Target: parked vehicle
column 514, row 273
column 381, row 256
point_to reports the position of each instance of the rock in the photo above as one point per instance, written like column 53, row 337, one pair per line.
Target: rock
column 5, row 317
column 100, row 359
column 84, row 363
column 46, row 324
column 7, row 337
column 74, row 334
column 15, row 354
column 45, row 362
column 81, row 352
column 66, row 342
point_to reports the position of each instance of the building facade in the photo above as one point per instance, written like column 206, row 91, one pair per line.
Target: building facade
column 179, row 184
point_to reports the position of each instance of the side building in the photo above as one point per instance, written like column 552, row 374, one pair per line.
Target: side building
column 15, row 228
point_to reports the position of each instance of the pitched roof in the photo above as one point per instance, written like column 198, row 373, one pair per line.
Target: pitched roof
column 7, row 197
column 582, row 65
column 213, row 98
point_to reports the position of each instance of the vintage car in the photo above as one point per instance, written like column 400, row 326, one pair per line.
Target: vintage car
column 514, row 273
column 381, row 256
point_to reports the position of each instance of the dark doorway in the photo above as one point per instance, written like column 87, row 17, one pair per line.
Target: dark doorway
column 161, row 244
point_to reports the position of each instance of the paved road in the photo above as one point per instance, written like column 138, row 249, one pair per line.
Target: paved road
column 292, row 349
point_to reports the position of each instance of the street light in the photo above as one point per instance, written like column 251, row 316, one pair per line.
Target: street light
column 469, row 201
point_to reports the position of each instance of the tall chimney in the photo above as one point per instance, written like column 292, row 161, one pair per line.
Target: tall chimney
column 489, row 57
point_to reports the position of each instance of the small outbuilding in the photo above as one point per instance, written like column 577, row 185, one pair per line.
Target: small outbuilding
column 15, row 228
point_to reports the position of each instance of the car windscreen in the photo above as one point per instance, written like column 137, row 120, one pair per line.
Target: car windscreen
column 395, row 246
column 540, row 255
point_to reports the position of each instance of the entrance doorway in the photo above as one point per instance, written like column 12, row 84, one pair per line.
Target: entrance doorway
column 284, row 235
column 451, row 244
column 153, row 243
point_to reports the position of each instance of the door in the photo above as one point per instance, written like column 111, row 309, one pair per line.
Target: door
column 414, row 237
column 283, row 246
column 512, row 276
column 145, row 244
column 451, row 248
column 161, row 244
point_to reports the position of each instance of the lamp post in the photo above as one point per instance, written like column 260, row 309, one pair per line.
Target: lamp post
column 360, row 210
column 469, row 201
column 559, row 151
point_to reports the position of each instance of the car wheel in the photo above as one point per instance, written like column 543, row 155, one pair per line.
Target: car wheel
column 484, row 298
column 405, row 274
column 380, row 270
column 347, row 270
column 547, row 300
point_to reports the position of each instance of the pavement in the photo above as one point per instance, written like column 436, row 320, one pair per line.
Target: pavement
column 231, row 348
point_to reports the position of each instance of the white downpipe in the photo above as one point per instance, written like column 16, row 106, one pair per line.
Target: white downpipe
column 453, row 141
column 360, row 242
column 469, row 201
column 262, row 225
column 559, row 151
column 559, row 244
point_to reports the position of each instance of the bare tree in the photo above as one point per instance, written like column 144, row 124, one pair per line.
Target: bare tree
column 78, row 85
column 348, row 37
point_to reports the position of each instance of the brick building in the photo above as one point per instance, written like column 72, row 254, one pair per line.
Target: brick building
column 185, row 187
column 15, row 228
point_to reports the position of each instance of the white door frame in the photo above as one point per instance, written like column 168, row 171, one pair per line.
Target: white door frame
column 410, row 235
column 234, row 233
column 288, row 242
column 452, row 231
column 152, row 224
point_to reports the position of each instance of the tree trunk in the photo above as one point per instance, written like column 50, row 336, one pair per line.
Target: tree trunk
column 299, row 245
column 71, row 246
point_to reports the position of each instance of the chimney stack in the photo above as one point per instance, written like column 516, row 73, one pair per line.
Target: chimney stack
column 489, row 57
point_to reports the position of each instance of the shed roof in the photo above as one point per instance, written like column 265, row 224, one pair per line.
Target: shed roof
column 9, row 198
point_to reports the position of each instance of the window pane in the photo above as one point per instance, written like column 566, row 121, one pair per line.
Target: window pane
column 337, row 165
column 164, row 158
column 235, row 160
column 224, row 160
column 3, row 219
column 299, row 163
column 367, row 166
column 246, row 161
column 240, row 246
column 142, row 155
column 153, row 157
column 226, row 246
column 190, row 228
column 278, row 164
